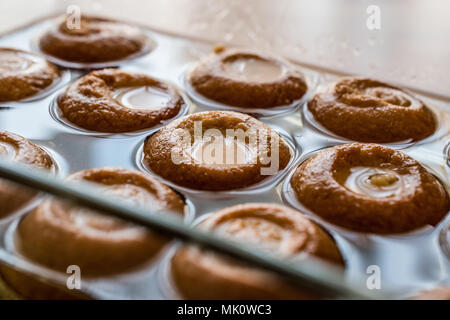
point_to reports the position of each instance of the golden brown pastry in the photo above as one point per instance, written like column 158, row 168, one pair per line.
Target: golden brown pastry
column 57, row 234
column 367, row 110
column 370, row 188
column 199, row 152
column 16, row 148
column 96, row 40
column 24, row 74
column 114, row 101
column 200, row 274
column 247, row 79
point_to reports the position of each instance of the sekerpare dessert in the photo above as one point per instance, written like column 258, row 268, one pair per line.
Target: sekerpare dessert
column 367, row 110
column 16, row 148
column 115, row 101
column 92, row 40
column 216, row 150
column 370, row 188
column 284, row 232
column 24, row 74
column 247, row 79
column 58, row 234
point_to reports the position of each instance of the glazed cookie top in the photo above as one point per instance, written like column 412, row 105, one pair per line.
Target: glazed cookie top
column 247, row 79
column 130, row 185
column 274, row 228
column 24, row 74
column 113, row 101
column 94, row 40
column 57, row 234
column 16, row 148
column 370, row 188
column 216, row 150
column 368, row 110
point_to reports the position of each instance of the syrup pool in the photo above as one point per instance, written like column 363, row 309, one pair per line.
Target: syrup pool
column 147, row 98
column 374, row 182
column 253, row 70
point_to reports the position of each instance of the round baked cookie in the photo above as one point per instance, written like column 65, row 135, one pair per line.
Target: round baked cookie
column 57, row 234
column 370, row 188
column 115, row 101
column 216, row 150
column 247, row 79
column 441, row 293
column 367, row 110
column 16, row 148
column 95, row 40
column 24, row 74
column 200, row 274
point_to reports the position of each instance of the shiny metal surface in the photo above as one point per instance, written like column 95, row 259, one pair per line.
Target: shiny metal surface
column 408, row 263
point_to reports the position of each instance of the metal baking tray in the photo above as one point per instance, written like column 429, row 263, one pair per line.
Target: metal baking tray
column 408, row 262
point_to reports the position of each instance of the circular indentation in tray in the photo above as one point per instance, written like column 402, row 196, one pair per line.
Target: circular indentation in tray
column 100, row 287
column 264, row 185
column 447, row 155
column 312, row 80
column 318, row 128
column 66, row 76
column 23, row 263
column 149, row 46
column 288, row 196
column 58, row 117
column 444, row 240
column 59, row 169
column 164, row 277
column 164, row 63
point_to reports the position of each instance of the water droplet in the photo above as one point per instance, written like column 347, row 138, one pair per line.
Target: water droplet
column 356, row 51
column 96, row 6
column 229, row 36
column 344, row 44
